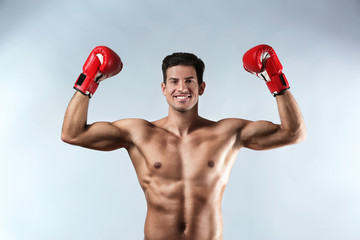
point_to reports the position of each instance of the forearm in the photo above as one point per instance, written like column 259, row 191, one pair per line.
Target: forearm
column 75, row 117
column 290, row 116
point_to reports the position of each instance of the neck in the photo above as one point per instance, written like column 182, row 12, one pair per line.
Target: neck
column 182, row 123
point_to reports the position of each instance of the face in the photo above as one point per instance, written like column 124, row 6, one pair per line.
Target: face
column 182, row 90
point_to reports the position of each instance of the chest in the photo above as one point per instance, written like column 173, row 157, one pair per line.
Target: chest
column 197, row 157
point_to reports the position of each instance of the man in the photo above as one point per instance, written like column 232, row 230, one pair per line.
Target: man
column 183, row 161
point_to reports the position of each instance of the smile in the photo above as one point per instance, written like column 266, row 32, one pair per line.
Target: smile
column 182, row 97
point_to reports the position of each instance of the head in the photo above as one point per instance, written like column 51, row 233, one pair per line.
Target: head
column 183, row 82
column 184, row 59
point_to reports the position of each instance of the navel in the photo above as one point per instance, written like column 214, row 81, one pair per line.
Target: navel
column 182, row 227
column 211, row 163
column 157, row 165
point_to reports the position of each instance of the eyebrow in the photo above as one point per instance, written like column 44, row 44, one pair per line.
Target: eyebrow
column 187, row 78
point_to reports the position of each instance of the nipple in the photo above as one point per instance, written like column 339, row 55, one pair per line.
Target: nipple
column 211, row 163
column 157, row 165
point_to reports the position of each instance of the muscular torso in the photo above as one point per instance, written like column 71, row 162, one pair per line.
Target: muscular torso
column 183, row 178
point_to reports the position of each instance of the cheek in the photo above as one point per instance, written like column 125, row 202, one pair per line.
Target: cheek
column 197, row 90
column 167, row 91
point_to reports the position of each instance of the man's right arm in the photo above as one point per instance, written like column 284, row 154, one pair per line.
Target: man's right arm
column 101, row 63
column 103, row 136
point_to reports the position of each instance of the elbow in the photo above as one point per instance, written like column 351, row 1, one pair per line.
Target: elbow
column 68, row 139
column 65, row 138
column 298, row 136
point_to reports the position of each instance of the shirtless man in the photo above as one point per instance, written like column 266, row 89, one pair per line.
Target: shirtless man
column 183, row 161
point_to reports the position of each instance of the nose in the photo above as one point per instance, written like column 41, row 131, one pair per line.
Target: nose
column 183, row 87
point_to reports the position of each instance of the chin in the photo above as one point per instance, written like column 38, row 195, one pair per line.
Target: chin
column 188, row 107
column 184, row 109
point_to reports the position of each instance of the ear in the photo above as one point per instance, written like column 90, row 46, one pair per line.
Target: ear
column 202, row 88
column 163, row 88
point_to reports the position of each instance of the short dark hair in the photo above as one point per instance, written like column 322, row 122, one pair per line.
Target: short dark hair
column 185, row 59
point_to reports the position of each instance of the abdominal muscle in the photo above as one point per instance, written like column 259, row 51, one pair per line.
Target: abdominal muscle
column 183, row 210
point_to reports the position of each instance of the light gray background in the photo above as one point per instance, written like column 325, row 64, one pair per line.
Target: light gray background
column 53, row 191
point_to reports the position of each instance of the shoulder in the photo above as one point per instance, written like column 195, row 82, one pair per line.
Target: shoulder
column 132, row 124
column 228, row 126
column 232, row 123
column 135, row 129
column 131, row 121
column 159, row 122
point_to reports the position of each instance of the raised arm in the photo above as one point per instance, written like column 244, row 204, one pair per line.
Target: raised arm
column 101, row 63
column 260, row 135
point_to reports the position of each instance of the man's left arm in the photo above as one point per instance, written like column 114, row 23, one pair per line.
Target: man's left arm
column 260, row 135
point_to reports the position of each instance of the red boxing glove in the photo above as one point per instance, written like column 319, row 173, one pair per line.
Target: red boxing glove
column 102, row 63
column 263, row 62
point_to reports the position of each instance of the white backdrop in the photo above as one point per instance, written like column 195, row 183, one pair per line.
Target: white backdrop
column 53, row 191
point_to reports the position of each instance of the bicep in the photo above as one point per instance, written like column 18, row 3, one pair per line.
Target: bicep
column 262, row 135
column 105, row 136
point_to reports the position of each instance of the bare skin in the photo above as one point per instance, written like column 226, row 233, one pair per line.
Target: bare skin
column 183, row 161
